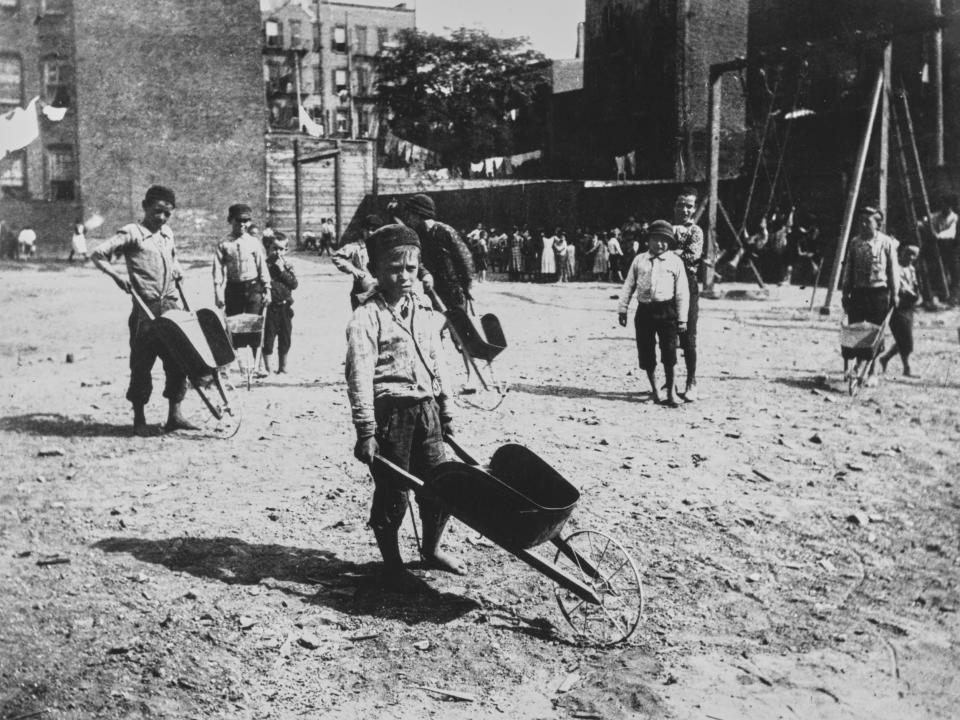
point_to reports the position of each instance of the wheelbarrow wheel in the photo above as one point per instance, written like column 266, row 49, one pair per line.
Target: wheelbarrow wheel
column 603, row 565
column 220, row 414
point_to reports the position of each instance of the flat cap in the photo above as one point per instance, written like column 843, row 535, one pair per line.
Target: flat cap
column 422, row 205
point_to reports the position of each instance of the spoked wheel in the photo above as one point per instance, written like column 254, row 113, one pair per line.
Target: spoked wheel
column 483, row 392
column 220, row 415
column 603, row 565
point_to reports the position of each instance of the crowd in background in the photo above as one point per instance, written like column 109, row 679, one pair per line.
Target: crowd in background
column 555, row 254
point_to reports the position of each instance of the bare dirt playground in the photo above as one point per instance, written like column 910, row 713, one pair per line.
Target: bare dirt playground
column 799, row 549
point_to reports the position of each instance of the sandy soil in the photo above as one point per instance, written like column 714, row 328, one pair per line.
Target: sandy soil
column 799, row 549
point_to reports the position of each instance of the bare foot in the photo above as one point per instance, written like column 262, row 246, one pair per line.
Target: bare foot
column 441, row 561
column 178, row 423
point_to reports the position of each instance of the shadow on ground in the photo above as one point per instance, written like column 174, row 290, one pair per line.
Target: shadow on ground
column 339, row 584
column 63, row 426
column 566, row 391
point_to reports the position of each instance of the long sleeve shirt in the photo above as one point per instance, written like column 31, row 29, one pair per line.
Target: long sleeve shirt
column 689, row 245
column 239, row 259
column 151, row 260
column 872, row 264
column 284, row 282
column 657, row 278
column 353, row 260
column 384, row 362
column 944, row 225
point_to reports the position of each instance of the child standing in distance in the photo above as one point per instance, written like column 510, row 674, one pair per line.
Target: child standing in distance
column 901, row 321
column 279, row 321
column 398, row 394
column 241, row 281
column 688, row 244
column 660, row 281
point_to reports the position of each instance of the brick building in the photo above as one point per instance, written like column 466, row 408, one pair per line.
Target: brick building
column 171, row 96
column 336, row 44
column 646, row 68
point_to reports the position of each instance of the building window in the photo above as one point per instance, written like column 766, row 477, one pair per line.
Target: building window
column 9, row 4
column 13, row 174
column 53, row 7
column 360, row 38
column 11, row 82
column 363, row 80
column 271, row 34
column 343, row 121
column 340, row 81
column 61, row 173
column 317, row 80
column 56, row 81
column 383, row 37
column 364, row 118
column 340, row 38
column 296, row 39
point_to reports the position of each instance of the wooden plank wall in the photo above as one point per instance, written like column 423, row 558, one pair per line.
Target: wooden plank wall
column 316, row 181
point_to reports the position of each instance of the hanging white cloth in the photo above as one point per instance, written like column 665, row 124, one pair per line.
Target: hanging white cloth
column 308, row 124
column 19, row 128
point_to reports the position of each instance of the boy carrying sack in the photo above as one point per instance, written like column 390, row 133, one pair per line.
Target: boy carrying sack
column 398, row 395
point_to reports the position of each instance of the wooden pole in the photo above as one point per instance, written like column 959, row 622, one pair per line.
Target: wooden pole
column 296, row 192
column 337, row 193
column 883, row 170
column 938, row 86
column 853, row 194
column 926, row 287
column 713, row 176
column 934, row 247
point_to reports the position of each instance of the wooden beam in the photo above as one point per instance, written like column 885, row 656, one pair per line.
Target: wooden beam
column 853, row 194
column 713, row 172
column 883, row 169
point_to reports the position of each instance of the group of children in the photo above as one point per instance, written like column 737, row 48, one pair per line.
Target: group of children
column 399, row 394
column 248, row 273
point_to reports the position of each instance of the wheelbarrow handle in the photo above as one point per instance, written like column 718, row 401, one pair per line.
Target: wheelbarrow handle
column 460, row 452
column 411, row 481
column 142, row 304
column 186, row 305
column 437, row 302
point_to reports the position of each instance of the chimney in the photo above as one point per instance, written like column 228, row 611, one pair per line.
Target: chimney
column 579, row 54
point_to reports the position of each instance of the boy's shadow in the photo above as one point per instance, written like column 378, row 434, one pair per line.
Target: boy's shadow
column 57, row 425
column 341, row 585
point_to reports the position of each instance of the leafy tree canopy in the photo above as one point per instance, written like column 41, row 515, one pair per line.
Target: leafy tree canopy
column 459, row 95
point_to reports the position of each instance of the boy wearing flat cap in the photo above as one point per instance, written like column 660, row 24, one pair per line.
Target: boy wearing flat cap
column 241, row 280
column 445, row 256
column 663, row 304
column 871, row 282
column 398, row 393
column 153, row 272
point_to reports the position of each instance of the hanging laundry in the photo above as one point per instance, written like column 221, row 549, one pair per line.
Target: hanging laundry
column 632, row 163
column 19, row 128
column 620, row 161
column 308, row 124
column 476, row 168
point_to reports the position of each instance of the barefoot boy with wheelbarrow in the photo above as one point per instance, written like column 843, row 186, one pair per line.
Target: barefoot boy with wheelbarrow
column 153, row 272
column 398, row 397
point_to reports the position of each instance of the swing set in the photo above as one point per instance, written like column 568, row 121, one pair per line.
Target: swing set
column 774, row 138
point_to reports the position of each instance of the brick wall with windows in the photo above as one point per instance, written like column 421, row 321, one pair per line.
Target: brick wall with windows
column 173, row 95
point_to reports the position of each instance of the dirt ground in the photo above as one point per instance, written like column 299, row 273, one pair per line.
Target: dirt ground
column 799, row 549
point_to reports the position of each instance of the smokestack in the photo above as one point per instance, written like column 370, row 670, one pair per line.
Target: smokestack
column 579, row 54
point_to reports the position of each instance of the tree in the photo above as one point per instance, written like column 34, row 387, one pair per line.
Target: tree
column 459, row 96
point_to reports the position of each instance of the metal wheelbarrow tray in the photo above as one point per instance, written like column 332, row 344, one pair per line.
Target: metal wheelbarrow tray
column 520, row 502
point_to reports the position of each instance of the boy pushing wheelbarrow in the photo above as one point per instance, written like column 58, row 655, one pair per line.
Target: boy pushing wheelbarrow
column 153, row 272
